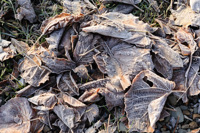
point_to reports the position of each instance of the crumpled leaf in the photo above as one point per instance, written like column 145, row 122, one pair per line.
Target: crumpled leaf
column 66, row 114
column 32, row 71
column 45, row 101
column 166, row 59
column 113, row 96
column 90, row 96
column 60, row 21
column 77, row 7
column 72, row 101
column 145, row 100
column 124, row 62
column 185, row 16
column 66, row 84
column 94, row 84
column 82, row 72
column 15, row 116
column 7, row 50
column 132, row 2
column 128, row 28
column 84, row 49
column 92, row 111
column 25, row 11
column 22, row 47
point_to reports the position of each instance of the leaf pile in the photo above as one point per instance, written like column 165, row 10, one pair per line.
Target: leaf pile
column 94, row 56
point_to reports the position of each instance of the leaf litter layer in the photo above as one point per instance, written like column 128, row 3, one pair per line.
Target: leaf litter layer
column 97, row 60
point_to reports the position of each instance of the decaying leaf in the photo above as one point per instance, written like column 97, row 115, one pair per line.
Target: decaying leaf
column 15, row 116
column 145, row 100
column 7, row 50
column 85, row 47
column 22, row 48
column 72, row 101
column 90, row 96
column 82, row 72
column 128, row 28
column 124, row 62
column 45, row 101
column 132, row 2
column 185, row 16
column 25, row 11
column 60, row 21
column 166, row 59
column 123, row 8
column 66, row 114
column 92, row 111
column 94, row 127
column 66, row 84
column 77, row 7
column 61, row 125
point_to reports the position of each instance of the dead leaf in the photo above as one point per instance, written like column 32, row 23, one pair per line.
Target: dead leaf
column 72, row 101
column 60, row 21
column 94, row 127
column 61, row 125
column 45, row 101
column 92, row 112
column 90, row 96
column 132, row 2
column 82, row 72
column 66, row 114
column 123, row 8
column 7, row 50
column 128, row 28
column 77, row 7
column 22, row 47
column 85, row 47
column 124, row 62
column 25, row 11
column 67, row 84
column 166, row 59
column 154, row 4
column 145, row 100
column 15, row 116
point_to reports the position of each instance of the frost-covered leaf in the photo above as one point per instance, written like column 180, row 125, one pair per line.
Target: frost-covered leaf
column 72, row 101
column 166, row 59
column 66, row 114
column 94, row 127
column 128, row 28
column 92, row 111
column 32, row 71
column 195, row 5
column 22, row 47
column 94, row 84
column 90, row 96
column 7, row 50
column 124, row 61
column 15, row 116
column 109, row 129
column 25, row 11
column 132, row 2
column 60, row 21
column 61, row 125
column 45, row 101
column 123, row 8
column 145, row 100
column 85, row 47
column 82, row 72
column 66, row 84
column 77, row 7
column 185, row 16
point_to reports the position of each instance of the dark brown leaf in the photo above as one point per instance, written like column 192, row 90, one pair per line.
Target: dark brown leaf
column 145, row 100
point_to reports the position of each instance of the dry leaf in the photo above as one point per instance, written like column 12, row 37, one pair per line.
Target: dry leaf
column 154, row 4
column 15, row 116
column 123, row 8
column 67, row 84
column 82, row 72
column 185, row 16
column 166, row 59
column 92, row 112
column 25, row 11
column 66, row 114
column 72, row 101
column 7, row 50
column 128, row 28
column 85, row 47
column 125, row 61
column 61, row 125
column 94, row 84
column 90, row 96
column 45, row 101
column 94, row 127
column 22, row 48
column 60, row 21
column 194, row 4
column 145, row 100
column 132, row 2
column 77, row 7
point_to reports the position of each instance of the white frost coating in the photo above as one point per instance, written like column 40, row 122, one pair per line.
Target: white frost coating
column 195, row 5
